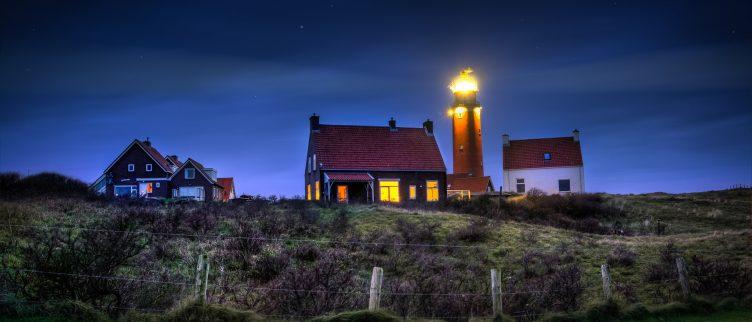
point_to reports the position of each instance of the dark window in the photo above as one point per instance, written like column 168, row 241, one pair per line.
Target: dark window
column 520, row 185
column 546, row 156
column 564, row 185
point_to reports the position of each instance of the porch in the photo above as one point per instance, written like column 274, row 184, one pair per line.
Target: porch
column 348, row 187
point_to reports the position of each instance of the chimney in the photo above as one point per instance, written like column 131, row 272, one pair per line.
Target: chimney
column 505, row 139
column 174, row 157
column 428, row 126
column 576, row 135
column 147, row 142
column 314, row 122
column 392, row 125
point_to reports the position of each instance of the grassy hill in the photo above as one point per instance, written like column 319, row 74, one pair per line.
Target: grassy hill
column 286, row 259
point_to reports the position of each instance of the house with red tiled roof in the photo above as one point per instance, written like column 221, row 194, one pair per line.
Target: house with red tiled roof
column 367, row 164
column 142, row 171
column 551, row 165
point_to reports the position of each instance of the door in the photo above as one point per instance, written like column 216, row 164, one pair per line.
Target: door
column 342, row 194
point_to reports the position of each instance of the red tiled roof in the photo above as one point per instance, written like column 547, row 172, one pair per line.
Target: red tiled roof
column 524, row 154
column 156, row 155
column 376, row 148
column 228, row 186
column 349, row 177
column 473, row 184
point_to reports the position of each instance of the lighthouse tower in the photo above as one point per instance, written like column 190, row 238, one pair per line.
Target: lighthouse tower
column 467, row 150
column 466, row 126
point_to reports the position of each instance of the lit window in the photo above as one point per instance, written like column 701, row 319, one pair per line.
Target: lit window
column 564, row 185
column 145, row 188
column 308, row 191
column 520, row 185
column 342, row 194
column 148, row 167
column 432, row 190
column 190, row 173
column 413, row 192
column 460, row 111
column 389, row 190
column 318, row 190
column 131, row 167
column 157, row 184
column 546, row 156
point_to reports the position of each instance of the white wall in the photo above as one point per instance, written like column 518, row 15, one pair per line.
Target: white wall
column 545, row 179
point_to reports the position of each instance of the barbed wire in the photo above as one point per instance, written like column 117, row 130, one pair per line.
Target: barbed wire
column 271, row 239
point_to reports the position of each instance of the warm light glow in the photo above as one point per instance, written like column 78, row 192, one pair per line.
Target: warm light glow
column 477, row 110
column 450, row 112
column 464, row 82
column 389, row 190
column 460, row 111
column 432, row 190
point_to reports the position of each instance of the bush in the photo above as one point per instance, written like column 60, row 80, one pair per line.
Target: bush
column 727, row 304
column 198, row 311
column 621, row 256
column 45, row 184
column 476, row 231
column 77, row 311
column 360, row 316
column 635, row 312
column 420, row 233
column 605, row 311
column 671, row 309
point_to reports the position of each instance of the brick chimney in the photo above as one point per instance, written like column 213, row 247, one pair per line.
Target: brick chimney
column 428, row 126
column 505, row 139
column 576, row 135
column 392, row 125
column 314, row 119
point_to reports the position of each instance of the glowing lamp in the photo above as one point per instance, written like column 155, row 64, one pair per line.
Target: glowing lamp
column 464, row 82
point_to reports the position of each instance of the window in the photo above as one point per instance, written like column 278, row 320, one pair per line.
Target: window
column 318, row 190
column 413, row 192
column 308, row 191
column 196, row 193
column 547, row 156
column 126, row 191
column 157, row 184
column 313, row 166
column 432, row 190
column 520, row 185
column 564, row 185
column 175, row 193
column 190, row 173
column 342, row 193
column 144, row 189
column 148, row 167
column 389, row 190
column 131, row 167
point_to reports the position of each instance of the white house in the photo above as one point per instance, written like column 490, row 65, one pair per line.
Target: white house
column 552, row 165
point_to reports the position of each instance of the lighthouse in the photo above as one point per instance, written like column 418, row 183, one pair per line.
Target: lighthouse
column 467, row 140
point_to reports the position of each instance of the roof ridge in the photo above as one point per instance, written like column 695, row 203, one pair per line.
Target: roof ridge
column 376, row 126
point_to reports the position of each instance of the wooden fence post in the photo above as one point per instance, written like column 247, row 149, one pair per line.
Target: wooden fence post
column 206, row 277
column 606, row 281
column 496, row 299
column 375, row 292
column 682, row 270
column 198, row 275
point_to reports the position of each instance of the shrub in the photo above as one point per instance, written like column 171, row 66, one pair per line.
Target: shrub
column 665, row 268
column 476, row 231
column 621, row 256
column 306, row 252
column 420, row 233
column 341, row 222
column 197, row 311
column 718, row 277
column 269, row 265
column 727, row 304
column 360, row 316
column 76, row 311
column 635, row 312
column 45, row 184
column 604, row 311
column 671, row 309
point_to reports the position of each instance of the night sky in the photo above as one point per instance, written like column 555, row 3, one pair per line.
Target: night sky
column 661, row 92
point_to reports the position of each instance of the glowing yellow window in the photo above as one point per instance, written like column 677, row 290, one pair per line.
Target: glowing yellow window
column 432, row 190
column 318, row 190
column 389, row 190
column 308, row 191
column 412, row 192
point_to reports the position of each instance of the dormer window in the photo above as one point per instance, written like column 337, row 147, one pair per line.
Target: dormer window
column 131, row 167
column 547, row 156
column 190, row 173
column 148, row 167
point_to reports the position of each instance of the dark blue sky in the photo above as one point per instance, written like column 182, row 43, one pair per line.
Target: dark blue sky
column 661, row 91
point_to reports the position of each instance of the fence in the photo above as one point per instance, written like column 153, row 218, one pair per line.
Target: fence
column 369, row 296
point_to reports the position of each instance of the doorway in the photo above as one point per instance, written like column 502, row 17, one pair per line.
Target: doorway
column 342, row 194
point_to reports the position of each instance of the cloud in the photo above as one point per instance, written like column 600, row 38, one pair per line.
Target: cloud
column 678, row 69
